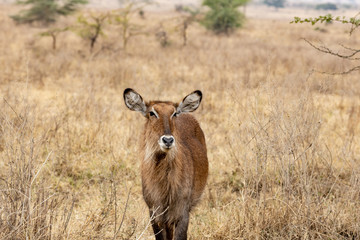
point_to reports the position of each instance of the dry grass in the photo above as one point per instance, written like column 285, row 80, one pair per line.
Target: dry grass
column 283, row 144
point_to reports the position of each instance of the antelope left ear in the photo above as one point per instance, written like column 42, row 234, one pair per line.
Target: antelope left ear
column 190, row 103
column 134, row 101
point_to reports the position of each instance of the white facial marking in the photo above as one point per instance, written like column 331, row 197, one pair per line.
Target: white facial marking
column 172, row 115
column 156, row 114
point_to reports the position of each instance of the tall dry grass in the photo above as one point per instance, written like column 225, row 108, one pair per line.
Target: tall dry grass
column 283, row 143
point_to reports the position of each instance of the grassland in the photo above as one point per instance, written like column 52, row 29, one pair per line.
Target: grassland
column 283, row 141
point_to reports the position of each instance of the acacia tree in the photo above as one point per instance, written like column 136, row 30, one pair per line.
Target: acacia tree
column 124, row 18
column 224, row 16
column 46, row 11
column 53, row 33
column 90, row 27
column 179, row 25
column 353, row 54
column 190, row 16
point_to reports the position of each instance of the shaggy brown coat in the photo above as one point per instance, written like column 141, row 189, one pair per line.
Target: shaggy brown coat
column 173, row 180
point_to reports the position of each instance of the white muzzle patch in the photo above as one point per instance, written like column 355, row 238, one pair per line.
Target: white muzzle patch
column 166, row 142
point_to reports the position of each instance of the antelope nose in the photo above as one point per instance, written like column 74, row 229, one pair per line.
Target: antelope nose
column 168, row 140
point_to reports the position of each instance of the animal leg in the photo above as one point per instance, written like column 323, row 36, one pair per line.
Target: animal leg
column 159, row 233
column 169, row 231
column 181, row 227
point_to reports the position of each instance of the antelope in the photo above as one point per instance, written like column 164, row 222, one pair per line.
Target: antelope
column 174, row 166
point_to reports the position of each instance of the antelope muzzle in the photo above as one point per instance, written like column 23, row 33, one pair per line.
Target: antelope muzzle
column 166, row 142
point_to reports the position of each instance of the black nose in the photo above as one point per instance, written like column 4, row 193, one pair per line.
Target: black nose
column 168, row 141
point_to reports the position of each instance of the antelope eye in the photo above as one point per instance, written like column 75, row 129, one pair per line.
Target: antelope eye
column 152, row 114
column 175, row 114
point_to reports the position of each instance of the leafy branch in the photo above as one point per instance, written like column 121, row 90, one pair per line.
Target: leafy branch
column 354, row 21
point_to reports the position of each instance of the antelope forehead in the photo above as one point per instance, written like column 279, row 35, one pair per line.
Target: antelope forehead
column 164, row 109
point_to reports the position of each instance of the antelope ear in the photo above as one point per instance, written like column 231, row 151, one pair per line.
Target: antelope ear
column 190, row 103
column 134, row 101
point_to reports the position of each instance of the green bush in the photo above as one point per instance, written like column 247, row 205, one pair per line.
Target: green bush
column 326, row 6
column 224, row 16
column 275, row 3
column 46, row 11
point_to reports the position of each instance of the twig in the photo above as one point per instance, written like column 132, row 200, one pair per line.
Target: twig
column 152, row 217
column 262, row 128
column 308, row 147
column 350, row 49
column 357, row 68
column 327, row 50
column 331, row 52
column 113, row 190
column 68, row 216
column 17, row 115
column 123, row 216
column 42, row 165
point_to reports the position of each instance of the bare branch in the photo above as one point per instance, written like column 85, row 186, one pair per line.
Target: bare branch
column 350, row 49
column 123, row 216
column 331, row 52
column 17, row 115
column 357, row 68
column 152, row 217
column 42, row 165
column 67, row 220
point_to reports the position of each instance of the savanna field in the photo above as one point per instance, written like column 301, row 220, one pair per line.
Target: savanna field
column 283, row 140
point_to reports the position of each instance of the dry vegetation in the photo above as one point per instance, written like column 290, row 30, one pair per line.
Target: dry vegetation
column 283, row 144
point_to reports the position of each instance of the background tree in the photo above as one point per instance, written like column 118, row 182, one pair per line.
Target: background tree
column 91, row 27
column 46, row 11
column 124, row 18
column 275, row 3
column 326, row 6
column 189, row 15
column 224, row 16
column 53, row 33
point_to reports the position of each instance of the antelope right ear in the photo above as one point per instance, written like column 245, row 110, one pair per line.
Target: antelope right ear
column 134, row 101
column 190, row 103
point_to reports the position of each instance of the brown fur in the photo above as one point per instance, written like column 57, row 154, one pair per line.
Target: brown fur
column 172, row 181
